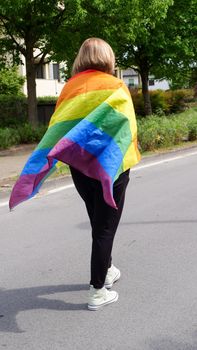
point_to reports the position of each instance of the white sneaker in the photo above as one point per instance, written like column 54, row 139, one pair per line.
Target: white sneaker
column 113, row 275
column 100, row 297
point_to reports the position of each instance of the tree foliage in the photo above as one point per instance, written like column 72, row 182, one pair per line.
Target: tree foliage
column 152, row 36
column 27, row 25
column 11, row 81
column 130, row 27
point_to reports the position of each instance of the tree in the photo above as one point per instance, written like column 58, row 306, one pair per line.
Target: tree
column 165, row 41
column 129, row 26
column 100, row 19
column 10, row 81
column 153, row 37
column 143, row 48
column 27, row 25
column 180, row 61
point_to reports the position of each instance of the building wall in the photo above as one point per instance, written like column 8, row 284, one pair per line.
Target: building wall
column 46, row 87
column 132, row 79
column 161, row 85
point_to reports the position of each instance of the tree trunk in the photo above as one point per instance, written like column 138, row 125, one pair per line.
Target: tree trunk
column 31, row 87
column 145, row 92
column 195, row 90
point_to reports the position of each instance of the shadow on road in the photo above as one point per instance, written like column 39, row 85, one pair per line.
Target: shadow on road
column 16, row 300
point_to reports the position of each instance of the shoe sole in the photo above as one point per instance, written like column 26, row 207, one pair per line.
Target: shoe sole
column 97, row 307
column 116, row 278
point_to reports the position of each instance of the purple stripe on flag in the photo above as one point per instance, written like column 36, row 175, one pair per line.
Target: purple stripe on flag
column 71, row 153
column 27, row 186
column 22, row 190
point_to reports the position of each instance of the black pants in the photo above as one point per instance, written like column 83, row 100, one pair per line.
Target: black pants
column 103, row 218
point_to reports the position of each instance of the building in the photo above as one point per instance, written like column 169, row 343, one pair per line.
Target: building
column 132, row 80
column 49, row 81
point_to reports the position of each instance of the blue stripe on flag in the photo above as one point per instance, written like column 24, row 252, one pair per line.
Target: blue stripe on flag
column 36, row 161
column 99, row 144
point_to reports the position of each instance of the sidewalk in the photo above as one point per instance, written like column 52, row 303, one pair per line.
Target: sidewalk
column 13, row 160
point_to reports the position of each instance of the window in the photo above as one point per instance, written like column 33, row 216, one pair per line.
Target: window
column 56, row 72
column 131, row 82
column 39, row 71
column 151, row 82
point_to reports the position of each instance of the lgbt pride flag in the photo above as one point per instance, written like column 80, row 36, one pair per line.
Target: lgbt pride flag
column 93, row 129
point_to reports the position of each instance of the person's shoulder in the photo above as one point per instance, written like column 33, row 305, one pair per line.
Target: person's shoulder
column 110, row 81
column 121, row 84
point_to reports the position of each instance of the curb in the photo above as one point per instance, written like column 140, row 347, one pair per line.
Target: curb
column 6, row 184
column 17, row 149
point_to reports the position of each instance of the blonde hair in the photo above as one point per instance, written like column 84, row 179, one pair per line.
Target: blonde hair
column 94, row 53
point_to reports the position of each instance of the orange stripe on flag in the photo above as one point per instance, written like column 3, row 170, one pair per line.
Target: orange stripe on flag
column 87, row 82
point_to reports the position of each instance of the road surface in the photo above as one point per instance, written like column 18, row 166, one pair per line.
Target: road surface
column 44, row 267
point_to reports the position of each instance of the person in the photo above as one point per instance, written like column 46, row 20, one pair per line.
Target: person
column 93, row 130
column 96, row 54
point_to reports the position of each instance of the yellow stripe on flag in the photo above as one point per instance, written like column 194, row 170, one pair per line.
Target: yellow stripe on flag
column 121, row 102
column 79, row 106
column 132, row 156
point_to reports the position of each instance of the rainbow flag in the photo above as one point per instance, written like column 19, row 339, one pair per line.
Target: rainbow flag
column 93, row 129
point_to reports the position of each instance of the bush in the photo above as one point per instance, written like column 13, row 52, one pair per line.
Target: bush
column 163, row 102
column 8, row 138
column 147, row 133
column 40, row 131
column 192, row 129
column 23, row 134
column 30, row 135
column 47, row 99
column 159, row 102
column 155, row 132
column 13, row 110
column 11, row 81
column 178, row 99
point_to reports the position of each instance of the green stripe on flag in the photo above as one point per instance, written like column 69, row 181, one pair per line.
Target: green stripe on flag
column 56, row 132
column 113, row 123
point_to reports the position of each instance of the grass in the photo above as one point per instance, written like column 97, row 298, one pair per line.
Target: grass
column 62, row 170
column 180, row 146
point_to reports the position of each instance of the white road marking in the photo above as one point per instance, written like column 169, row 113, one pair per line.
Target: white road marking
column 4, row 204
column 59, row 189
column 166, row 160
column 137, row 168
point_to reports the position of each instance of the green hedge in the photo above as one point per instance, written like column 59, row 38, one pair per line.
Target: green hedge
column 20, row 135
column 47, row 99
column 163, row 102
column 13, row 109
column 153, row 132
column 8, row 138
column 156, row 132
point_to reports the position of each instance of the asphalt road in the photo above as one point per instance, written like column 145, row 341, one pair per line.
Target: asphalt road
column 44, row 267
